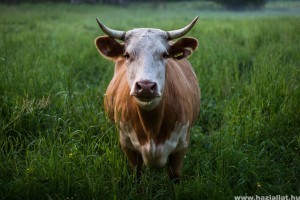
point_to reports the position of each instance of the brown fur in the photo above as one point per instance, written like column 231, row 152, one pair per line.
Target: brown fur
column 180, row 102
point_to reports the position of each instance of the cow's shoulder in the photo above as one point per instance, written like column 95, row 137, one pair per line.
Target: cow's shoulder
column 117, row 92
column 182, row 90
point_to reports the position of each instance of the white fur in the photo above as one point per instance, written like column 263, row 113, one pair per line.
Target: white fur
column 155, row 155
column 146, row 47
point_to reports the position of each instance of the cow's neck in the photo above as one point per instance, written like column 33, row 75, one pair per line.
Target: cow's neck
column 149, row 125
column 151, row 120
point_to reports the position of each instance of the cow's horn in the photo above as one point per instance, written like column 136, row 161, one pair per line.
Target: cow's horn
column 181, row 32
column 110, row 32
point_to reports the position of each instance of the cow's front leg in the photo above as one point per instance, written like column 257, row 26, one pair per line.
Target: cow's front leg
column 174, row 166
column 135, row 160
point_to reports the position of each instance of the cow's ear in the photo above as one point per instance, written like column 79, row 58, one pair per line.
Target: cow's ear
column 109, row 47
column 183, row 48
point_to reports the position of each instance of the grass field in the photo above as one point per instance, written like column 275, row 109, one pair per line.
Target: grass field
column 56, row 143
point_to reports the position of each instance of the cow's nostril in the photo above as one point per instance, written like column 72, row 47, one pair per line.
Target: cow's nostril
column 145, row 88
column 138, row 86
column 153, row 87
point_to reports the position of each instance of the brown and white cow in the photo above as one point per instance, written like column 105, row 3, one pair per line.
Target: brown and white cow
column 154, row 97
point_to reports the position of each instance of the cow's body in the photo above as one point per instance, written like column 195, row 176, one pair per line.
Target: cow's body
column 162, row 131
column 154, row 97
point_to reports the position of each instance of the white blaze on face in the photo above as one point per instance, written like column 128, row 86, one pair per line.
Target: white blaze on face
column 146, row 49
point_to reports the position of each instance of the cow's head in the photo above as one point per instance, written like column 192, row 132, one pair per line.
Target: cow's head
column 146, row 51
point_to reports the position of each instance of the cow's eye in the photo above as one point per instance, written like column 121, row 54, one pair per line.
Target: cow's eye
column 126, row 56
column 165, row 55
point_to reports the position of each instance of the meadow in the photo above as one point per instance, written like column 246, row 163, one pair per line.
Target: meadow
column 56, row 142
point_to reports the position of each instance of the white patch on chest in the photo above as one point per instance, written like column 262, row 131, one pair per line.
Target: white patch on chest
column 155, row 155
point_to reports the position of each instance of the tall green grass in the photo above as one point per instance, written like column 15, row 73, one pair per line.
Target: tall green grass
column 55, row 140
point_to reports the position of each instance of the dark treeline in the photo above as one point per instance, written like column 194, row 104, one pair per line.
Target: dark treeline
column 229, row 4
column 88, row 1
column 114, row 2
column 241, row 4
column 129, row 1
column 101, row 1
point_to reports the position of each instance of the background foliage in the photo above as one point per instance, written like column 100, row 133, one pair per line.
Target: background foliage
column 56, row 143
column 240, row 4
column 229, row 4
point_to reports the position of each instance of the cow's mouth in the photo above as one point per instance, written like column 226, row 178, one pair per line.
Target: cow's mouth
column 145, row 99
column 148, row 103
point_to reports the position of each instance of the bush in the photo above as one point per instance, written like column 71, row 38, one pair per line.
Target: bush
column 242, row 4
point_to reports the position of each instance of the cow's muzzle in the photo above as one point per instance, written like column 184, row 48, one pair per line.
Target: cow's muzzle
column 145, row 90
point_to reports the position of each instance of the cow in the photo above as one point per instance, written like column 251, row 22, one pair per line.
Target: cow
column 154, row 96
